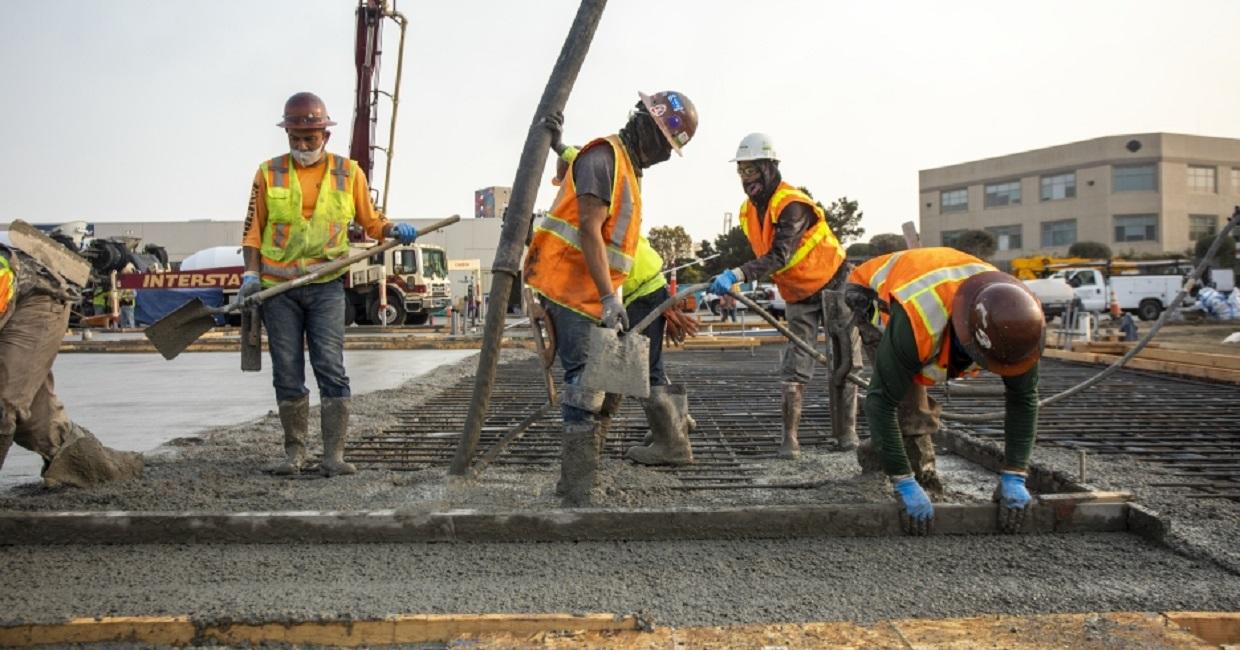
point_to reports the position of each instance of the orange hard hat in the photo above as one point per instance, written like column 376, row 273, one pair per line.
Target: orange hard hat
column 999, row 322
column 305, row 110
column 675, row 114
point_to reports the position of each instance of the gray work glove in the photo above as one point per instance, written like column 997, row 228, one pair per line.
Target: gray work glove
column 250, row 285
column 614, row 315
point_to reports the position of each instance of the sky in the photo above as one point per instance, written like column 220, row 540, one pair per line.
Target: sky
column 144, row 110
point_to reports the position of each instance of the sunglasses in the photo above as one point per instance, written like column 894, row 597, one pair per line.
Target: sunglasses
column 748, row 171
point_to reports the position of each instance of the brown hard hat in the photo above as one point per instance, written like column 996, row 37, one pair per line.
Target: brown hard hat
column 305, row 110
column 676, row 116
column 999, row 323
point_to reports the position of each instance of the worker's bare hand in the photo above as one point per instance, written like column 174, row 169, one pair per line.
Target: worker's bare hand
column 679, row 326
column 554, row 123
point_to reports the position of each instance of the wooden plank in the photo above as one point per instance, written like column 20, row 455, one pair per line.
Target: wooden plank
column 1225, row 361
column 1167, row 367
column 1221, row 628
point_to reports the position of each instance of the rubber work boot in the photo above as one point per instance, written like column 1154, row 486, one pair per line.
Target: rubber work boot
column 294, row 417
column 335, row 415
column 667, row 411
column 648, row 438
column 794, row 395
column 82, row 461
column 611, row 406
column 578, row 463
column 867, row 457
column 844, row 416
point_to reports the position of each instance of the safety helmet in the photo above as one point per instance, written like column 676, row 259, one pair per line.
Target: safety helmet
column 756, row 146
column 999, row 323
column 305, row 110
column 675, row 114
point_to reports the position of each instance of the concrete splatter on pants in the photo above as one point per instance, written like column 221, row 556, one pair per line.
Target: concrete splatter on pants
column 804, row 319
column 29, row 409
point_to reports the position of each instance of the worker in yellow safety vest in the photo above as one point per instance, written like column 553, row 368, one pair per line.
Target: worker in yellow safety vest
column 794, row 246
column 583, row 252
column 301, row 205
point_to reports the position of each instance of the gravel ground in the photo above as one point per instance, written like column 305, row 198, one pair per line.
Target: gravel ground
column 673, row 583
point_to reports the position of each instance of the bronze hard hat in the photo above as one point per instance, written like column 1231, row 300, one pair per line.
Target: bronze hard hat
column 675, row 114
column 999, row 322
column 305, row 110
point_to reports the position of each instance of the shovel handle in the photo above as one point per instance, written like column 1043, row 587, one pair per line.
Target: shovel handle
column 334, row 266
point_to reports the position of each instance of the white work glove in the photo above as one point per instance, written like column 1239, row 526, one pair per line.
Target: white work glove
column 614, row 316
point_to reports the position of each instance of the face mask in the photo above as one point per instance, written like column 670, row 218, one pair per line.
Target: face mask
column 307, row 158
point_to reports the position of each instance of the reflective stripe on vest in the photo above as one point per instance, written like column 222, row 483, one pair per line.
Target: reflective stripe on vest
column 818, row 255
column 8, row 284
column 555, row 265
column 294, row 245
column 921, row 294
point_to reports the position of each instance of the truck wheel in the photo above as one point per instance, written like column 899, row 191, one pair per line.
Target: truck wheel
column 350, row 311
column 395, row 313
column 1149, row 309
column 418, row 318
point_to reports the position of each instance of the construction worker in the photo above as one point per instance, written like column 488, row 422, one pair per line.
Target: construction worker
column 127, row 300
column 794, row 245
column 582, row 253
column 947, row 315
column 301, row 205
column 35, row 300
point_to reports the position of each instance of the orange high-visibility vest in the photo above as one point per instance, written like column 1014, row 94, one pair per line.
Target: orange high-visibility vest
column 8, row 284
column 817, row 257
column 555, row 266
column 923, row 281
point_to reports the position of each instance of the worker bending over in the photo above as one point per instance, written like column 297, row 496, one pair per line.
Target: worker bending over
column 301, row 205
column 583, row 252
column 35, row 299
column 793, row 245
column 947, row 314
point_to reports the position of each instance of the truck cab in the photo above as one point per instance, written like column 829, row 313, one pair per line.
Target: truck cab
column 1145, row 290
column 416, row 281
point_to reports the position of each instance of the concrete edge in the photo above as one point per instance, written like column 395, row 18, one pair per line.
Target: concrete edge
column 412, row 628
column 397, row 526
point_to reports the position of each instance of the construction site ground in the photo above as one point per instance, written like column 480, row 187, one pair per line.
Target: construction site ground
column 404, row 436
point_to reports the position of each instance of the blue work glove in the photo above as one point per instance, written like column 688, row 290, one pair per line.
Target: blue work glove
column 722, row 284
column 251, row 284
column 1013, row 500
column 404, row 232
column 918, row 512
column 614, row 315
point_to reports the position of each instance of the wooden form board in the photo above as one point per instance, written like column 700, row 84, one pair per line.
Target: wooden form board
column 1154, row 365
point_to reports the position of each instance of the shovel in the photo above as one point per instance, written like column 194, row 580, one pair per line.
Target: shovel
column 176, row 331
column 620, row 363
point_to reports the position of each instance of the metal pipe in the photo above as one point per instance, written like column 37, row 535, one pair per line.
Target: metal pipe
column 399, row 18
column 517, row 220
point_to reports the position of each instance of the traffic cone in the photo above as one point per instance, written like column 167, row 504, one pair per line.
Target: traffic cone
column 1116, row 312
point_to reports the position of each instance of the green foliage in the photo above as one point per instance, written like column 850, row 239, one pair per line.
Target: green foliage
column 887, row 242
column 733, row 248
column 859, row 250
column 1225, row 256
column 1090, row 249
column 843, row 217
column 691, row 274
column 671, row 243
column 978, row 243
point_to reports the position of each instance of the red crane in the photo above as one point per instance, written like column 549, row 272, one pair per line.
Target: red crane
column 367, row 52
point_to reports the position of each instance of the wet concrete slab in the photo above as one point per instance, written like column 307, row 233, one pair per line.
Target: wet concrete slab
column 136, row 402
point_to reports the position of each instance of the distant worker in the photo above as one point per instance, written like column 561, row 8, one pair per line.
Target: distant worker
column 947, row 315
column 35, row 300
column 127, row 299
column 301, row 205
column 795, row 247
column 583, row 251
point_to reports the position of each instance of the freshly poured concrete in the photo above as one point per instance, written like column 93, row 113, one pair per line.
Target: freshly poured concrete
column 136, row 402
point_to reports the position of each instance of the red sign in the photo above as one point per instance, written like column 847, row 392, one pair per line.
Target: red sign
column 221, row 278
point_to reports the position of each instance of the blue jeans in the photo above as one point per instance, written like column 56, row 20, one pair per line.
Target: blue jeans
column 313, row 313
column 639, row 309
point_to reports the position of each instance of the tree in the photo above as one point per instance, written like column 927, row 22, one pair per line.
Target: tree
column 843, row 217
column 671, row 243
column 859, row 249
column 733, row 248
column 978, row 243
column 1225, row 256
column 1090, row 250
column 691, row 274
column 704, row 250
column 887, row 242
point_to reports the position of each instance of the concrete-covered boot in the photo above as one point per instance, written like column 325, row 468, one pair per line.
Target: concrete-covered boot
column 867, row 457
column 294, row 417
column 794, row 396
column 578, row 463
column 667, row 412
column 84, row 462
column 335, row 430
column 844, row 417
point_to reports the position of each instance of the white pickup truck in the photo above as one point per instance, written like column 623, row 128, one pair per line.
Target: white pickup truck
column 1145, row 295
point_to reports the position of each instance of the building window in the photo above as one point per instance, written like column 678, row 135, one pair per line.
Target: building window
column 1135, row 178
column 1136, row 227
column 1202, row 226
column 1059, row 233
column 1202, row 179
column 1059, row 186
column 1007, row 237
column 949, row 237
column 954, row 200
column 1235, row 180
column 1001, row 194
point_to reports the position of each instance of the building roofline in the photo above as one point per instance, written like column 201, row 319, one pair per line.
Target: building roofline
column 1156, row 134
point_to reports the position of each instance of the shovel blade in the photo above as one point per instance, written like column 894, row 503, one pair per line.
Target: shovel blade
column 617, row 364
column 181, row 327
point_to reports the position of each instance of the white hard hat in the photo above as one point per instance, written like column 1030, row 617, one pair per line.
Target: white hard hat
column 756, row 146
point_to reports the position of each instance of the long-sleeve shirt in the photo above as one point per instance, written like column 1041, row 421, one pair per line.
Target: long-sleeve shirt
column 895, row 366
column 793, row 222
column 310, row 178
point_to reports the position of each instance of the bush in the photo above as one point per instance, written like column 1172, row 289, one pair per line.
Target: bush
column 978, row 243
column 1090, row 250
column 859, row 249
column 1225, row 256
column 887, row 243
